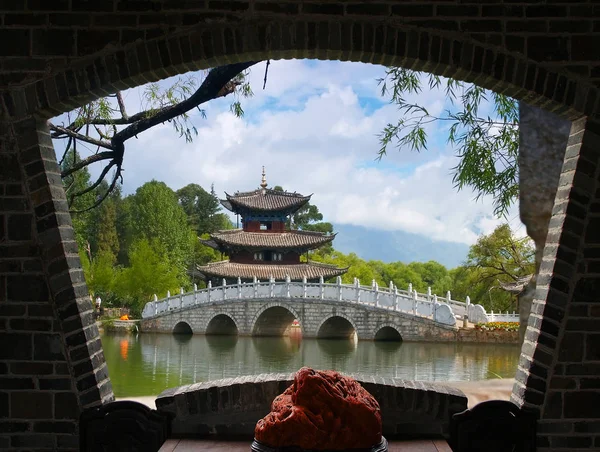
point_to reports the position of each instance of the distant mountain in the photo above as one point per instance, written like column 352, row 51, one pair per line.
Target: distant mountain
column 394, row 246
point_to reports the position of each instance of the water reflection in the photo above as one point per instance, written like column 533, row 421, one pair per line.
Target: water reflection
column 149, row 363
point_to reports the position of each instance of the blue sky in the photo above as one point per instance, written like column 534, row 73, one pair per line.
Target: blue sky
column 314, row 127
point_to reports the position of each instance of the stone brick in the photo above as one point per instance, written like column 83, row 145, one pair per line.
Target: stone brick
column 30, row 325
column 31, row 405
column 13, row 427
column 572, row 347
column 20, row 346
column 26, row 288
column 592, row 347
column 14, row 42
column 65, row 405
column 31, row 368
column 19, row 227
column 581, row 404
column 61, row 384
column 48, row 347
column 32, row 440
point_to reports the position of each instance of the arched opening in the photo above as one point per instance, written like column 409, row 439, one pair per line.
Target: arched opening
column 490, row 64
column 388, row 334
column 274, row 321
column 336, row 327
column 221, row 325
column 182, row 328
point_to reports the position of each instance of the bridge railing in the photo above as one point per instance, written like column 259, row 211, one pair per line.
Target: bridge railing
column 409, row 301
column 428, row 306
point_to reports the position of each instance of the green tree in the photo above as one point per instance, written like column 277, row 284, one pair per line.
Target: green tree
column 359, row 268
column 497, row 258
column 432, row 274
column 107, row 238
column 203, row 209
column 100, row 274
column 78, row 183
column 486, row 143
column 402, row 275
column 150, row 272
column 155, row 215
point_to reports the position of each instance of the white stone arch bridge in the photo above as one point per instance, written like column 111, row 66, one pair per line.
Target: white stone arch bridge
column 323, row 310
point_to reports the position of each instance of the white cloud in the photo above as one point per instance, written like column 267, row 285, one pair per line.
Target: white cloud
column 312, row 131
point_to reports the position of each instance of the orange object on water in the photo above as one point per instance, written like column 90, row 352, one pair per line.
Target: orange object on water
column 124, row 317
column 124, row 349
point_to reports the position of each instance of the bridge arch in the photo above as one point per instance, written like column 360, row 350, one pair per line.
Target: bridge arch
column 273, row 319
column 182, row 327
column 222, row 324
column 336, row 326
column 387, row 332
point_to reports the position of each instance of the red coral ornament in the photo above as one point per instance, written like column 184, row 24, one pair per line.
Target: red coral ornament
column 322, row 410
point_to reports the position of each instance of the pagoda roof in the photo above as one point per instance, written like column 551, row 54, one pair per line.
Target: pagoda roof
column 265, row 199
column 312, row 270
column 270, row 240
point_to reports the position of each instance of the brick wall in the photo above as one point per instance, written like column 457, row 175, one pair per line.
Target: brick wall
column 559, row 370
column 51, row 362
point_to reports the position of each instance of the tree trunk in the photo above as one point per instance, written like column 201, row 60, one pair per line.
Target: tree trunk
column 542, row 142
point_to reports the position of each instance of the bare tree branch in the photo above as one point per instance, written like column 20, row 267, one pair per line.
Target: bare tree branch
column 216, row 84
column 79, row 136
column 121, row 105
column 88, row 161
column 219, row 82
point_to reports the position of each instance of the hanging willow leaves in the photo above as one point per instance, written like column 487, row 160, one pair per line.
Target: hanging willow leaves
column 487, row 145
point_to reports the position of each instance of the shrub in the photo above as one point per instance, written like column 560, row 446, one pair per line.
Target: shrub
column 498, row 326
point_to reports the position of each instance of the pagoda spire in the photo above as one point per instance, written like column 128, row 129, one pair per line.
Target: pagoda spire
column 263, row 181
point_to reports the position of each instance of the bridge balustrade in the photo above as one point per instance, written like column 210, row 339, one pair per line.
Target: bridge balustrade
column 392, row 298
column 365, row 295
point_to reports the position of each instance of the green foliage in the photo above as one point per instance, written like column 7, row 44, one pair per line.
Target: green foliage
column 155, row 215
column 76, row 183
column 150, row 272
column 496, row 258
column 502, row 256
column 101, row 274
column 486, row 145
column 107, row 238
column 203, row 209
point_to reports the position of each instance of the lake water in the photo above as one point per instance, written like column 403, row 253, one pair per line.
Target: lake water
column 146, row 364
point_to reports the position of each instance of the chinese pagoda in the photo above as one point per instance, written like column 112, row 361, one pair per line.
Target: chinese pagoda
column 264, row 247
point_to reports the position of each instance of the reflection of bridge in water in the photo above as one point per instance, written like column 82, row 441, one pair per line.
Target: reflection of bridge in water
column 323, row 310
column 177, row 360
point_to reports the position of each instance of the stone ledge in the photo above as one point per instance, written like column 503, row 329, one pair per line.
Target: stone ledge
column 233, row 406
